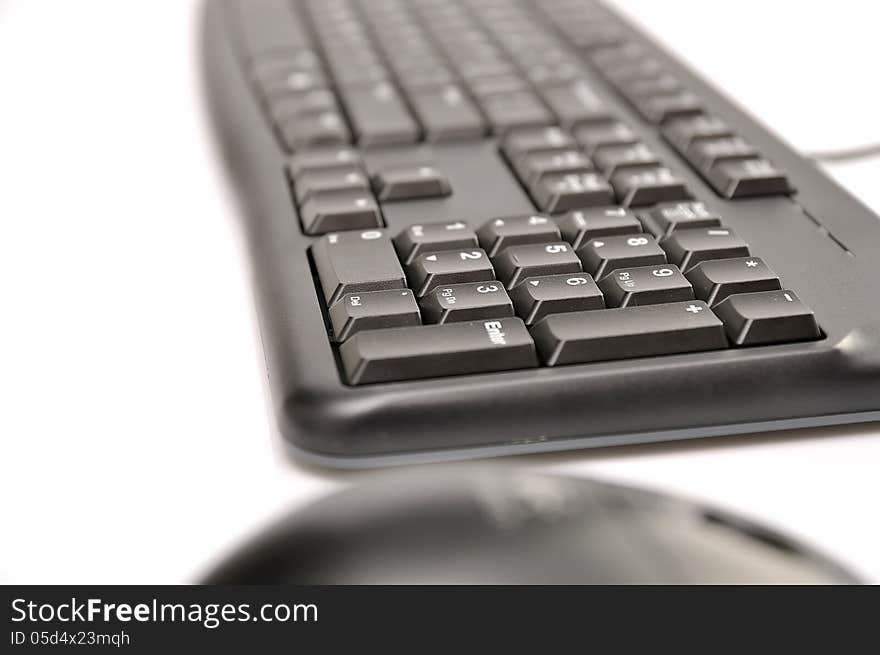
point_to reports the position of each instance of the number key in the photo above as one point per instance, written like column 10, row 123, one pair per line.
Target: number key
column 433, row 237
column 646, row 285
column 605, row 254
column 537, row 297
column 349, row 262
column 519, row 262
column 471, row 301
column 499, row 233
column 583, row 224
column 431, row 270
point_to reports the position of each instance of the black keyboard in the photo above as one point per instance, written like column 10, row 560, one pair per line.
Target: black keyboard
column 492, row 226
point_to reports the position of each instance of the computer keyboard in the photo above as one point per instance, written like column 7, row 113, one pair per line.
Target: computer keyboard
column 485, row 226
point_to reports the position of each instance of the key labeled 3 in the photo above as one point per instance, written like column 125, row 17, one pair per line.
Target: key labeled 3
column 467, row 302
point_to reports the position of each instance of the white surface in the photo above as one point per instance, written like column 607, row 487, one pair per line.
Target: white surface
column 135, row 438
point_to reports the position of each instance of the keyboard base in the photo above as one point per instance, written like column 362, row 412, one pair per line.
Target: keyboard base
column 572, row 444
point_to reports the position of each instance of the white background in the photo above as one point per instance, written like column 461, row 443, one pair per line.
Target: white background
column 135, row 438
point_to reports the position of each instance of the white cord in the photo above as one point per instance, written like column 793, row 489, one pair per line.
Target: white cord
column 848, row 154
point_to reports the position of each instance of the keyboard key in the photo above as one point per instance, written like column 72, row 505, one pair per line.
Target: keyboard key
column 269, row 67
column 426, row 77
column 660, row 108
column 519, row 262
column 269, row 27
column 467, row 302
column 329, row 212
column 499, row 233
column 532, row 168
column 664, row 219
column 645, row 285
column 292, row 106
column 379, row 116
column 713, row 281
column 682, row 132
column 705, row 153
column 552, row 74
column 576, row 103
column 487, row 86
column 559, row 193
column 628, row 332
column 295, row 81
column 626, row 70
column 447, row 114
column 342, row 179
column 537, row 297
column 639, row 88
column 748, row 177
column 372, row 310
column 323, row 159
column 430, row 270
column 324, row 129
column 522, row 142
column 350, row 262
column 593, row 36
column 438, row 350
column 636, row 187
column 583, row 224
column 593, row 137
column 611, row 159
column 687, row 248
column 487, row 68
column 507, row 111
column 434, row 237
column 602, row 255
column 767, row 317
column 407, row 183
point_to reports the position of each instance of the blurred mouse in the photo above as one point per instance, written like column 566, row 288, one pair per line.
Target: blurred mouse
column 499, row 526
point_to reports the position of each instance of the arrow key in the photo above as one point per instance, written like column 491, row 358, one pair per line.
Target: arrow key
column 431, row 270
column 606, row 254
column 537, row 297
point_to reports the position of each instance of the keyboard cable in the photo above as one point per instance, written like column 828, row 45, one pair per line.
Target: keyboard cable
column 847, row 154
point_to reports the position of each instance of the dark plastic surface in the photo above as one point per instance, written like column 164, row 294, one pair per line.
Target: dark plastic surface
column 822, row 242
column 488, row 526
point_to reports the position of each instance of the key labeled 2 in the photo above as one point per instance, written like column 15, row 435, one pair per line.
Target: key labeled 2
column 431, row 270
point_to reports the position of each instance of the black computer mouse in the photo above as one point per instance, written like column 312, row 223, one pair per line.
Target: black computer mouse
column 511, row 527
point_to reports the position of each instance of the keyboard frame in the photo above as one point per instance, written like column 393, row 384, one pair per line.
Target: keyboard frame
column 825, row 247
